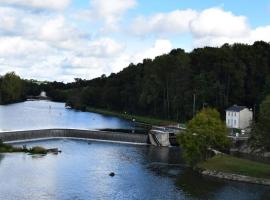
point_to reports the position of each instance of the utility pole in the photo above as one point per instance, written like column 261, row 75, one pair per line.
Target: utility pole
column 194, row 104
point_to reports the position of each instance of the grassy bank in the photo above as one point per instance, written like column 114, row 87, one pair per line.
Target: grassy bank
column 234, row 165
column 141, row 119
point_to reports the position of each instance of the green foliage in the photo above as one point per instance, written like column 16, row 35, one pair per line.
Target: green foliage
column 204, row 132
column 261, row 129
column 14, row 89
column 11, row 88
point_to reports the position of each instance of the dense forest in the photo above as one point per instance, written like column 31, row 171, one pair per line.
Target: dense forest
column 166, row 86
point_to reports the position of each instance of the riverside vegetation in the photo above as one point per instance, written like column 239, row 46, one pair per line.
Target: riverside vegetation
column 6, row 148
column 206, row 132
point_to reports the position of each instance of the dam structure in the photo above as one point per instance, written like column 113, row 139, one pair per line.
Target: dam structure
column 15, row 136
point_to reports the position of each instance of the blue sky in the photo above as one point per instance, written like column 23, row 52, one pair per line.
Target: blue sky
column 64, row 39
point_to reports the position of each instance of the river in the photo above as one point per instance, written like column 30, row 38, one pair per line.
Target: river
column 82, row 170
column 31, row 115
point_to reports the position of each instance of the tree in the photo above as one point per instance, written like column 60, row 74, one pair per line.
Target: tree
column 260, row 137
column 11, row 88
column 204, row 132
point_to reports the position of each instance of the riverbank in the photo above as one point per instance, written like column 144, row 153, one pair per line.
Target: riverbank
column 237, row 169
column 138, row 118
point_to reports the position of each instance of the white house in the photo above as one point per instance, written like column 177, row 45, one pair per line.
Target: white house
column 238, row 117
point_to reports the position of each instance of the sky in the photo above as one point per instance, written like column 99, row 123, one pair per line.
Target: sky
column 66, row 39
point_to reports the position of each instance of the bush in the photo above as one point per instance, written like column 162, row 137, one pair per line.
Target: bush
column 38, row 150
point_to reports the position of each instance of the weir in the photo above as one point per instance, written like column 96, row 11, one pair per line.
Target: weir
column 73, row 133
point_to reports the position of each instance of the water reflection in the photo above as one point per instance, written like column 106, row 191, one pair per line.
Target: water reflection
column 1, row 157
column 197, row 186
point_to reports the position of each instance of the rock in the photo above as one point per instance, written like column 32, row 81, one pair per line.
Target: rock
column 112, row 174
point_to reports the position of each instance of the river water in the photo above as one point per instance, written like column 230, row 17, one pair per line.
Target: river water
column 31, row 115
column 82, row 170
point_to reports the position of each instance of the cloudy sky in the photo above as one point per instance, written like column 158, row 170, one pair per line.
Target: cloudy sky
column 64, row 39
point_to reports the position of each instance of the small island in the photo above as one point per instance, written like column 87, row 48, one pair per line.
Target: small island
column 7, row 148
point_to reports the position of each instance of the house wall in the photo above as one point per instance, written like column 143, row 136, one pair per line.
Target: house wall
column 246, row 117
column 232, row 119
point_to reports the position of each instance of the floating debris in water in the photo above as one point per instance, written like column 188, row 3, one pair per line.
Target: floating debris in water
column 112, row 174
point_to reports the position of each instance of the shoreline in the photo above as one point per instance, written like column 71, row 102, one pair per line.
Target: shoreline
column 235, row 169
column 234, row 177
column 145, row 120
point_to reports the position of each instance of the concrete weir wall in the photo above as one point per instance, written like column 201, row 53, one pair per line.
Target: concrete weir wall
column 73, row 133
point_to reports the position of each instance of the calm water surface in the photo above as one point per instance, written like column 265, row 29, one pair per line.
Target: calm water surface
column 81, row 172
column 46, row 114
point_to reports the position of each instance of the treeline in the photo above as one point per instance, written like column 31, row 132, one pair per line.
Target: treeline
column 14, row 89
column 165, row 87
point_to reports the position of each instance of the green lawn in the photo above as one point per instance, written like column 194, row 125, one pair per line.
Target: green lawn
column 230, row 164
column 142, row 119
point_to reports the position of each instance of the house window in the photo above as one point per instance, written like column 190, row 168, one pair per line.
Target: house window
column 231, row 122
column 235, row 114
column 228, row 122
column 235, row 122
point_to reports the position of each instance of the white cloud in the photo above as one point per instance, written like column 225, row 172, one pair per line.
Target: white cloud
column 109, row 12
column 209, row 27
column 160, row 47
column 57, row 29
column 39, row 4
column 17, row 46
column 261, row 33
column 210, row 22
column 217, row 22
column 174, row 22
column 35, row 41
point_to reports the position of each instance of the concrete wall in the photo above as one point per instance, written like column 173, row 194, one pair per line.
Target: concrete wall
column 73, row 133
column 245, row 118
